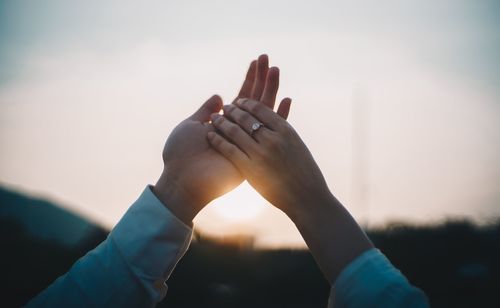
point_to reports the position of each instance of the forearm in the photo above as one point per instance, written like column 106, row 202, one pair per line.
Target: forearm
column 130, row 267
column 361, row 276
column 99, row 278
column 331, row 233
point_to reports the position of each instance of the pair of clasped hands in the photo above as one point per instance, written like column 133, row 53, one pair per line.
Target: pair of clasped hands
column 209, row 154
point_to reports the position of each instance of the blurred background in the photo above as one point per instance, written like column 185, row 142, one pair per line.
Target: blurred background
column 397, row 100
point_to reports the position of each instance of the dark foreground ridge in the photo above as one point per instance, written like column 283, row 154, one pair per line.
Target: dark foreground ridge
column 455, row 263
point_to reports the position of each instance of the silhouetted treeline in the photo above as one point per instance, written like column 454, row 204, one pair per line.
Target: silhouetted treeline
column 214, row 274
column 455, row 263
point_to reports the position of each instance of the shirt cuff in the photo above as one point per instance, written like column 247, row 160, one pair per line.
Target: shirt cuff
column 151, row 240
column 372, row 280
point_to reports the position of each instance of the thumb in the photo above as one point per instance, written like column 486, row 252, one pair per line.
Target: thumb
column 212, row 105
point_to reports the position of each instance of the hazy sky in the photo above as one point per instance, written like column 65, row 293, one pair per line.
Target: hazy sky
column 89, row 91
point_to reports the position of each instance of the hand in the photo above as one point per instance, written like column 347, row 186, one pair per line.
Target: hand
column 194, row 173
column 279, row 166
column 273, row 159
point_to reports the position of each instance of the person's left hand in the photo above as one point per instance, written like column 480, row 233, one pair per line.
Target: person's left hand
column 276, row 162
column 194, row 172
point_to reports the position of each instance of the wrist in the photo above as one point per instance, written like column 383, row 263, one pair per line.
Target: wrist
column 331, row 233
column 175, row 198
column 309, row 205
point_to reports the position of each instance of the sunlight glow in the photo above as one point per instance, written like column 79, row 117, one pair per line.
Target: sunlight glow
column 122, row 86
column 242, row 204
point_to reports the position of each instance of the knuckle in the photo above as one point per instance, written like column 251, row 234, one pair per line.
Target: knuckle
column 274, row 145
column 266, row 140
column 232, row 131
column 254, row 107
column 290, row 131
column 243, row 117
column 262, row 153
column 285, row 128
column 230, row 150
column 217, row 141
column 277, row 146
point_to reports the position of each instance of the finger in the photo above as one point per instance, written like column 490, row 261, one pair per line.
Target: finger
column 261, row 75
column 235, row 134
column 261, row 112
column 246, row 88
column 284, row 108
column 271, row 88
column 213, row 104
column 245, row 120
column 228, row 150
column 239, row 116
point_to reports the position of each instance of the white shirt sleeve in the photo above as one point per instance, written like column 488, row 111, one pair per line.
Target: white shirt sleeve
column 372, row 281
column 130, row 267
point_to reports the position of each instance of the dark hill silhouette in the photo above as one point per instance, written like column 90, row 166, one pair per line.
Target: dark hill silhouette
column 39, row 241
column 46, row 220
column 455, row 263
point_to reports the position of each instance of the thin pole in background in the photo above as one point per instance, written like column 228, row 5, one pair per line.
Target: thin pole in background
column 360, row 143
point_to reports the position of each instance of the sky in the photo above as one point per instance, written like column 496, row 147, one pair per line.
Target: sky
column 397, row 100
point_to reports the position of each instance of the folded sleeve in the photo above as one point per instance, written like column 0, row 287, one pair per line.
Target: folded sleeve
column 372, row 281
column 130, row 267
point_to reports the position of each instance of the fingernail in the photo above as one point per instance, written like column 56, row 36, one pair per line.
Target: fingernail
column 214, row 116
column 240, row 101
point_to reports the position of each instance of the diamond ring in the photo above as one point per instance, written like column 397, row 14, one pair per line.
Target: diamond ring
column 255, row 127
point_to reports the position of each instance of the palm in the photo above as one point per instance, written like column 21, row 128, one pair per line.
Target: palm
column 187, row 150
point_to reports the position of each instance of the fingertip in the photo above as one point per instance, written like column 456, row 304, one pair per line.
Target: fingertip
column 251, row 70
column 284, row 107
column 263, row 62
column 273, row 74
column 216, row 98
column 274, row 70
column 215, row 103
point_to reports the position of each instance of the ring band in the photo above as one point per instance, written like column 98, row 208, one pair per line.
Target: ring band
column 255, row 127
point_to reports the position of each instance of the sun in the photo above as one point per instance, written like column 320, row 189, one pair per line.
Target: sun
column 243, row 203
